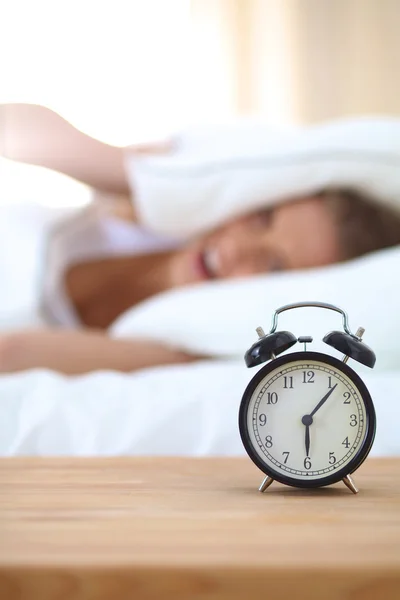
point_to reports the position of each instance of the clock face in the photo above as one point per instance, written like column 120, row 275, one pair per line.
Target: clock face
column 307, row 419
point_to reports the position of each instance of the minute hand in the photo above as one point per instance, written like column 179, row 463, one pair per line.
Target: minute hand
column 321, row 402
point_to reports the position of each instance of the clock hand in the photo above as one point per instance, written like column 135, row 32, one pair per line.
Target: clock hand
column 307, row 420
column 321, row 402
column 307, row 440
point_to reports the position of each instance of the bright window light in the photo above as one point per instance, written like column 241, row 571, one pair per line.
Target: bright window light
column 117, row 69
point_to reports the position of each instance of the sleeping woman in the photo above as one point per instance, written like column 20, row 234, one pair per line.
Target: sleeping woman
column 101, row 261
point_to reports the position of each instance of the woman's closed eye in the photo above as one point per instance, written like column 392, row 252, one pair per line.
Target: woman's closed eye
column 262, row 218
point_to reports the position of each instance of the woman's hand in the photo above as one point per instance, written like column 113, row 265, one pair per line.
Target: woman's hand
column 78, row 352
column 120, row 205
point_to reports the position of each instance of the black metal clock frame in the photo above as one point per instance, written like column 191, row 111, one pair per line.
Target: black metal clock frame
column 358, row 459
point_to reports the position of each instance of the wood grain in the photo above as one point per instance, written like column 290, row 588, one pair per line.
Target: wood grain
column 116, row 528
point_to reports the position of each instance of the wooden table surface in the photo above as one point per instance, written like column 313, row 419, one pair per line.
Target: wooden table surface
column 121, row 528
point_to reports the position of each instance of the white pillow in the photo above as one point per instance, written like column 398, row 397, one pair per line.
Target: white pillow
column 219, row 172
column 219, row 318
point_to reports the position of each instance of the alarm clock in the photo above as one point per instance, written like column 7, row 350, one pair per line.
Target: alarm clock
column 306, row 419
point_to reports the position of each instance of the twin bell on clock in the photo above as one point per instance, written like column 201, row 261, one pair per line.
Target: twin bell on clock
column 306, row 419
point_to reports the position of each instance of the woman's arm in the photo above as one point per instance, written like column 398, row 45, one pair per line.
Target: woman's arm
column 78, row 352
column 34, row 134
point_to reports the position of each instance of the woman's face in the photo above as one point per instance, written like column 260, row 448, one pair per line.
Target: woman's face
column 294, row 235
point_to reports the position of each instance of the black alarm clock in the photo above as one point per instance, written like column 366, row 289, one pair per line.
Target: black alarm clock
column 306, row 419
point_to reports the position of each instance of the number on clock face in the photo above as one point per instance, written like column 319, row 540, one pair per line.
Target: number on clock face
column 306, row 420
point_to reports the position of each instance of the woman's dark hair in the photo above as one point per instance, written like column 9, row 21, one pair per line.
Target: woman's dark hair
column 363, row 225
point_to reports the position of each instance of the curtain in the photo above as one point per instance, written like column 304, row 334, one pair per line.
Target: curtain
column 304, row 61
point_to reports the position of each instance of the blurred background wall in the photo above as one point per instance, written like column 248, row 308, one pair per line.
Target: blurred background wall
column 128, row 70
column 303, row 61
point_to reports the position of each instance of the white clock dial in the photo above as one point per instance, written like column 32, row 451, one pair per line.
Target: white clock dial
column 306, row 419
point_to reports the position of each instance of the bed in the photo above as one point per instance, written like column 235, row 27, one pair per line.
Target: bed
column 192, row 409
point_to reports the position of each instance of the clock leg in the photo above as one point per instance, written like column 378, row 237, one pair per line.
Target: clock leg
column 265, row 484
column 350, row 484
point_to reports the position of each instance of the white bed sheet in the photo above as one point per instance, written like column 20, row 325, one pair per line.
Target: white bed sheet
column 182, row 410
